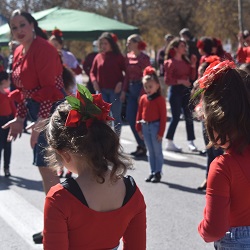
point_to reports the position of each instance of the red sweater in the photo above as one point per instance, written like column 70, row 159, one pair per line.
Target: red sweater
column 178, row 70
column 134, row 68
column 7, row 105
column 243, row 54
column 70, row 225
column 107, row 69
column 227, row 197
column 38, row 75
column 152, row 110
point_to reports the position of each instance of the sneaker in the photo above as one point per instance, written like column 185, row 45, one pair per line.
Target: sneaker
column 7, row 172
column 172, row 147
column 192, row 147
column 68, row 174
column 140, row 152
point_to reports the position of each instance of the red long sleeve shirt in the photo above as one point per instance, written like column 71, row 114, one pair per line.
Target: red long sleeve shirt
column 134, row 68
column 152, row 110
column 243, row 54
column 7, row 105
column 227, row 197
column 70, row 225
column 107, row 69
column 178, row 70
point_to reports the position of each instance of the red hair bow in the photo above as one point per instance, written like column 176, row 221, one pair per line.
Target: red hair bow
column 114, row 36
column 200, row 44
column 57, row 32
column 149, row 70
column 142, row 45
column 213, row 71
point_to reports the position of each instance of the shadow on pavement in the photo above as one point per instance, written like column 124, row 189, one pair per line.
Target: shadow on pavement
column 182, row 188
column 5, row 183
column 183, row 164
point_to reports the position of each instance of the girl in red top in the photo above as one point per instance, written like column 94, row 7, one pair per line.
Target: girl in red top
column 100, row 206
column 107, row 74
column 179, row 72
column 151, row 121
column 7, row 113
column 205, row 46
column 226, row 106
column 136, row 62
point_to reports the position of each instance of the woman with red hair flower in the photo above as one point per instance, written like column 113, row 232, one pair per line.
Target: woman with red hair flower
column 136, row 62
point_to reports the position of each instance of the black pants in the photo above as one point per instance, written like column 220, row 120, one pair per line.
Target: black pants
column 5, row 146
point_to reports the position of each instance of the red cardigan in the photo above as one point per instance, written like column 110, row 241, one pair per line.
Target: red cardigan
column 152, row 110
column 70, row 225
column 38, row 75
column 227, row 197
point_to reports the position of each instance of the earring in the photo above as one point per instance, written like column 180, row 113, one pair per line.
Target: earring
column 34, row 34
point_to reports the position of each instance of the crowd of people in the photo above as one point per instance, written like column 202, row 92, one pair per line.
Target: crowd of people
column 72, row 123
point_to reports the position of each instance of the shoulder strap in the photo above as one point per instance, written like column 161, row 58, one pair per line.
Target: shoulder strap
column 130, row 188
column 71, row 185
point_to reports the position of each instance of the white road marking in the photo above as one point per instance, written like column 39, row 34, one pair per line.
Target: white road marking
column 23, row 217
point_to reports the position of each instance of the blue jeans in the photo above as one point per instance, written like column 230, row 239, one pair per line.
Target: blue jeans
column 179, row 97
column 155, row 156
column 131, row 109
column 237, row 238
column 110, row 96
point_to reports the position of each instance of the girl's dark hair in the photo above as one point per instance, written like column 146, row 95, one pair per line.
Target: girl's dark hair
column 30, row 19
column 154, row 77
column 226, row 105
column 114, row 46
column 68, row 78
column 97, row 144
column 170, row 49
column 207, row 44
column 3, row 76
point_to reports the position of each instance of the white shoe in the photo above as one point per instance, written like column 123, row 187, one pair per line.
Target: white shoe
column 172, row 147
column 192, row 147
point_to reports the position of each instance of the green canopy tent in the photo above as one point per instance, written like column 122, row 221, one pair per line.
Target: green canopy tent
column 75, row 25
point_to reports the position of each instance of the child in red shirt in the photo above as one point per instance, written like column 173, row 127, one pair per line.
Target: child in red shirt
column 7, row 112
column 226, row 106
column 151, row 121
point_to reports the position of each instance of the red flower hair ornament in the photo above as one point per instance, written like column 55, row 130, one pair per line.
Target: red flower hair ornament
column 114, row 37
column 149, row 70
column 142, row 45
column 200, row 44
column 213, row 71
column 86, row 107
column 57, row 32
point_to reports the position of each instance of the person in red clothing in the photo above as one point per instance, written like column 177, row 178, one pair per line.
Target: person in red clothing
column 226, row 105
column 136, row 62
column 37, row 75
column 107, row 74
column 100, row 206
column 7, row 113
column 151, row 121
column 205, row 46
column 219, row 51
column 179, row 72
column 243, row 52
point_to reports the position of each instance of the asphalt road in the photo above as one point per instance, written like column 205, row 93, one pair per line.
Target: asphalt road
column 174, row 206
